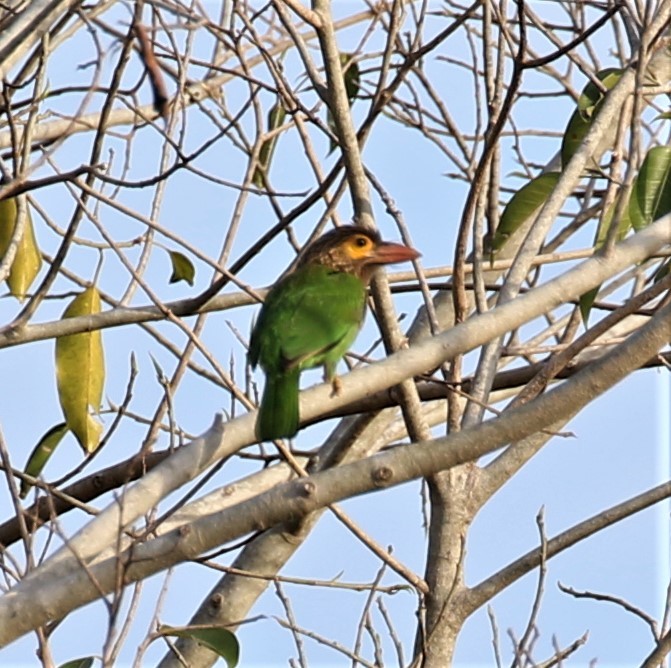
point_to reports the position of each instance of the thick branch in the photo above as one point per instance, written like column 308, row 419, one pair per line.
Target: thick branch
column 28, row 28
column 54, row 592
column 194, row 458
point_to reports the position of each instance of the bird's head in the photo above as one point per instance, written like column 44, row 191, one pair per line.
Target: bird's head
column 355, row 250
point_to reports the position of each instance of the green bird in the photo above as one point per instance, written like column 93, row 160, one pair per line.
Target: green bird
column 311, row 317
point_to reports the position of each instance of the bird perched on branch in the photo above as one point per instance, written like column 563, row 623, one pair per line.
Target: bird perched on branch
column 311, row 317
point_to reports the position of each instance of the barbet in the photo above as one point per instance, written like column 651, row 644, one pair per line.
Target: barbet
column 311, row 317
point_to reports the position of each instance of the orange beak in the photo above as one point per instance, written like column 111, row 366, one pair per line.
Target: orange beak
column 390, row 253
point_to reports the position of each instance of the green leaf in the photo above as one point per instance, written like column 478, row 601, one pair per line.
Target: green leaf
column 182, row 268
column 27, row 261
column 80, row 373
column 219, row 640
column 586, row 301
column 588, row 106
column 524, row 204
column 624, row 225
column 276, row 117
column 351, row 74
column 332, row 127
column 651, row 197
column 41, row 454
column 573, row 135
column 352, row 78
column 86, row 662
column 591, row 97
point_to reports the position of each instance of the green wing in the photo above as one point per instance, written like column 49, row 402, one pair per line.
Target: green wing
column 310, row 318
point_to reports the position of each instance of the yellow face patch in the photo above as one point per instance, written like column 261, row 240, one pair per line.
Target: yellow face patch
column 358, row 246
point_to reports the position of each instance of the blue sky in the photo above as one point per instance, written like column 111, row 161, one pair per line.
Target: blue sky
column 620, row 447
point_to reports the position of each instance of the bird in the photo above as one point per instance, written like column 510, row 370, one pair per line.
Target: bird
column 311, row 317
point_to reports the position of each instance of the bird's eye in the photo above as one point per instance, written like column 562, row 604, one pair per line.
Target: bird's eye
column 361, row 242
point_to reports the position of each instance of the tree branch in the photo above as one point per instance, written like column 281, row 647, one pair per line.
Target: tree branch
column 60, row 584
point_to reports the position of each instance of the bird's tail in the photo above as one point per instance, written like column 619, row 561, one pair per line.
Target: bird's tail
column 278, row 413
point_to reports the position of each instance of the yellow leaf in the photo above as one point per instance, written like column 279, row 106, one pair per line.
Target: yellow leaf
column 27, row 261
column 80, row 373
column 182, row 268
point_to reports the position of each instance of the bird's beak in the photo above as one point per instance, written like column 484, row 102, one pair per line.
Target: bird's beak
column 390, row 253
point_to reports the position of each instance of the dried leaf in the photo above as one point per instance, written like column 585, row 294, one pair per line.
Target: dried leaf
column 156, row 79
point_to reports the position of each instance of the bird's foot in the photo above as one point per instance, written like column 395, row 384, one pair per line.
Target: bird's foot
column 336, row 386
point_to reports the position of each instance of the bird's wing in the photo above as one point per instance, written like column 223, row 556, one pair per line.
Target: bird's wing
column 315, row 311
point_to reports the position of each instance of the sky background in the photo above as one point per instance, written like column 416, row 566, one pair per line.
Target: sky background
column 619, row 449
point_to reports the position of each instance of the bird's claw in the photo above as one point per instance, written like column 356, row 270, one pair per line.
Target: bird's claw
column 336, row 386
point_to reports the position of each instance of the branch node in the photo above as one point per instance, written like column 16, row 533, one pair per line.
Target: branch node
column 306, row 488
column 382, row 476
column 216, row 601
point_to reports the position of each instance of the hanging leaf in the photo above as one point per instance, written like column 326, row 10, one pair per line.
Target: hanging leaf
column 332, row 127
column 182, row 268
column 86, row 662
column 651, row 197
column 352, row 77
column 221, row 641
column 80, row 373
column 591, row 97
column 587, row 300
column 624, row 225
column 41, row 454
column 524, row 204
column 351, row 74
column 27, row 261
column 579, row 124
column 276, row 117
